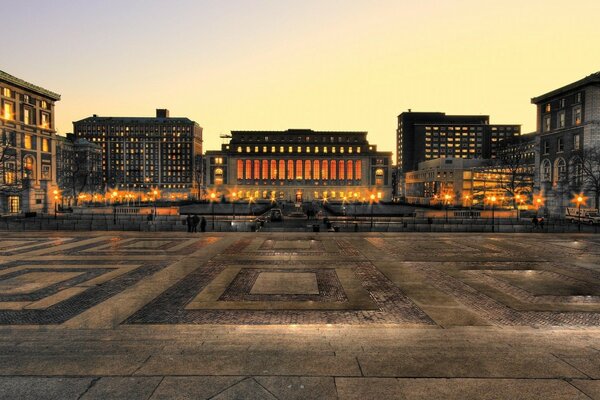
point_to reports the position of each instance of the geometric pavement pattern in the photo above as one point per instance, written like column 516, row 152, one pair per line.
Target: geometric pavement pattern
column 412, row 279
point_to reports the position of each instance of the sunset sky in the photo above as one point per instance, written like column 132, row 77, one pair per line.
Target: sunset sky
column 320, row 64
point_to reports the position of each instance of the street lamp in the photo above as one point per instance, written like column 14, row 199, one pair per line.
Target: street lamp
column 447, row 199
column 234, row 196
column 579, row 200
column 372, row 197
column 493, row 201
column 212, row 203
column 55, row 203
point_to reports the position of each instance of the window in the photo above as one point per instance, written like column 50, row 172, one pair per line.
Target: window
column 576, row 172
column 316, row 170
column 6, row 92
column 290, row 169
column 249, row 170
column 240, row 169
column 379, row 177
column 577, row 115
column 546, row 147
column 548, row 108
column 299, row 169
column 256, row 173
column 9, row 174
column 547, row 124
column 560, row 170
column 46, row 172
column 45, row 120
column 307, row 168
column 325, row 170
column 560, row 146
column 218, row 160
column 29, row 167
column 273, row 169
column 27, row 116
column 576, row 142
column 27, row 142
column 8, row 111
column 45, row 145
column 14, row 204
column 341, row 169
column 281, row 170
column 265, row 169
column 333, row 172
column 349, row 170
column 358, row 166
column 561, row 119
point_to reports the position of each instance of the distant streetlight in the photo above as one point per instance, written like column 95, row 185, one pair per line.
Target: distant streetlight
column 55, row 203
column 579, row 200
column 213, row 196
column 155, row 193
column 372, row 198
column 447, row 199
column 493, row 201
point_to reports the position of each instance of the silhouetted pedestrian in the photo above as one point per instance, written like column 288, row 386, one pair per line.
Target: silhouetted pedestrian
column 203, row 224
column 195, row 221
column 542, row 223
column 188, row 222
column 534, row 221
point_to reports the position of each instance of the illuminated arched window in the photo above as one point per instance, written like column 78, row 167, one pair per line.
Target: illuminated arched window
column 379, row 177
column 545, row 171
column 325, row 169
column 560, row 170
column 333, row 172
column 218, row 176
column 248, row 172
column 273, row 169
column 281, row 170
column 240, row 169
column 316, row 170
column 349, row 170
column 341, row 173
column 256, row 172
column 307, row 169
column 298, row 169
column 265, row 169
column 29, row 167
column 358, row 168
column 290, row 169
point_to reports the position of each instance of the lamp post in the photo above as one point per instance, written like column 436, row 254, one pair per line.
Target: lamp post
column 579, row 201
column 155, row 193
column 372, row 197
column 212, row 204
column 234, row 195
column 55, row 203
column 493, row 200
column 447, row 198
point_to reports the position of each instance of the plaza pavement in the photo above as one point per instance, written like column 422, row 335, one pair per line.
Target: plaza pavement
column 113, row 315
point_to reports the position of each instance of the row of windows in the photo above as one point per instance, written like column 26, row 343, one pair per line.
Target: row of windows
column 8, row 112
column 563, row 102
column 6, row 92
column 299, row 169
column 561, row 119
column 299, row 139
column 299, row 149
column 560, row 144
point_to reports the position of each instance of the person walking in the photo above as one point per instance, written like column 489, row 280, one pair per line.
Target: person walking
column 534, row 221
column 195, row 221
column 202, row 224
column 542, row 223
column 188, row 222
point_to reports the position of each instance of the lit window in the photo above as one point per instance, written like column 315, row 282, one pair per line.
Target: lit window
column 341, row 169
column 548, row 108
column 8, row 112
column 576, row 142
column 333, row 172
column 298, row 169
column 577, row 115
column 547, row 123
column 290, row 169
column 561, row 119
column 6, row 92
column 27, row 142
column 240, row 169
column 45, row 145
column 307, row 168
column 379, row 177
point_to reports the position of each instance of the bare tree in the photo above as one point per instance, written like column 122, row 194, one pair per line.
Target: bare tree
column 11, row 181
column 198, row 175
column 515, row 169
column 590, row 171
column 77, row 175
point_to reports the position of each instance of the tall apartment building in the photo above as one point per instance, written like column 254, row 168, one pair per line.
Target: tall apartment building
column 145, row 152
column 299, row 165
column 27, row 146
column 568, row 123
column 423, row 136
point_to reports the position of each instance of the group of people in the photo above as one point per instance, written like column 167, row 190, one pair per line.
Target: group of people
column 192, row 223
column 538, row 222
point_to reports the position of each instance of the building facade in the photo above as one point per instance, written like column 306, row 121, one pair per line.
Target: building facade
column 422, row 136
column 568, row 123
column 27, row 146
column 78, row 167
column 143, row 153
column 299, row 165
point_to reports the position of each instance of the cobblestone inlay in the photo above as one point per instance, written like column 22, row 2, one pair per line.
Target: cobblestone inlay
column 10, row 247
column 292, row 244
column 86, row 274
column 169, row 308
column 67, row 309
column 330, row 288
column 491, row 309
column 118, row 246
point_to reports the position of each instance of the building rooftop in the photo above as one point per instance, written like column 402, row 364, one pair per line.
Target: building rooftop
column 301, row 132
column 4, row 76
column 593, row 79
column 136, row 120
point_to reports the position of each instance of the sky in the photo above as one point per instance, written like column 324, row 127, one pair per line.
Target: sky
column 317, row 64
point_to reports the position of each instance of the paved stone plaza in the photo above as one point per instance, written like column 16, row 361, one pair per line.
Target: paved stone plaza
column 107, row 315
